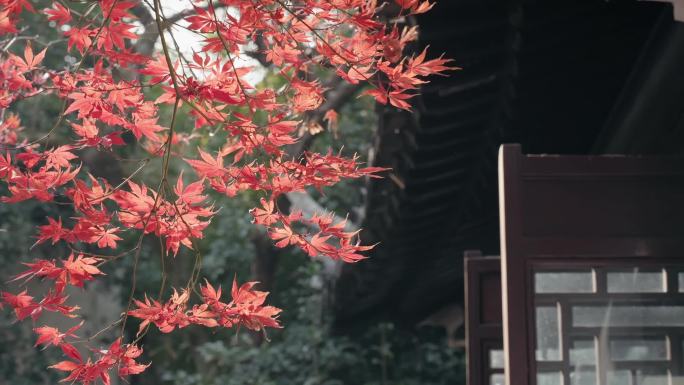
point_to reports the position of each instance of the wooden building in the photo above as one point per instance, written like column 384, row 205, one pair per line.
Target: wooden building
column 576, row 77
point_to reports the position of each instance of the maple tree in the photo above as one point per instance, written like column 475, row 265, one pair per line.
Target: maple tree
column 105, row 107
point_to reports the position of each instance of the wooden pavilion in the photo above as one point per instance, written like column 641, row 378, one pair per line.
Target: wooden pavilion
column 584, row 77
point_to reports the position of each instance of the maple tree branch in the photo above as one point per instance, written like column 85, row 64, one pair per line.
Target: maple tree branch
column 62, row 114
column 336, row 97
column 339, row 94
column 162, row 255
column 196, row 270
column 166, row 160
column 259, row 54
column 151, row 33
column 230, row 57
column 183, row 14
column 99, row 332
column 103, row 111
column 319, row 37
column 304, row 202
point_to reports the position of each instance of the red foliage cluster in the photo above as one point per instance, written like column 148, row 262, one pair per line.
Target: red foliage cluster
column 105, row 110
column 117, row 356
column 246, row 308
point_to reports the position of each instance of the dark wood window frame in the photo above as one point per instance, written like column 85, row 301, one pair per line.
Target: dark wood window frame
column 583, row 210
column 484, row 332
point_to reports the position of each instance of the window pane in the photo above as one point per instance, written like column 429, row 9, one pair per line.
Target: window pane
column 583, row 377
column 652, row 378
column 497, row 379
column 496, row 359
column 652, row 349
column 636, row 282
column 548, row 336
column 622, row 324
column 564, row 282
column 600, row 316
column 583, row 353
column 619, row 377
column 549, row 378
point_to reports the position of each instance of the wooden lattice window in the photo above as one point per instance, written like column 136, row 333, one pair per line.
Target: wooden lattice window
column 592, row 256
column 612, row 324
column 484, row 333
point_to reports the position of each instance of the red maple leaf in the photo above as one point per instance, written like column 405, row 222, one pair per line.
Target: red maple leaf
column 284, row 236
column 147, row 128
column 265, row 216
column 22, row 303
column 80, row 38
column 53, row 230
column 7, row 22
column 81, row 268
column 59, row 157
column 29, row 61
column 157, row 69
column 208, row 166
column 58, row 13
column 41, row 268
column 106, row 238
column 48, row 335
column 192, row 194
